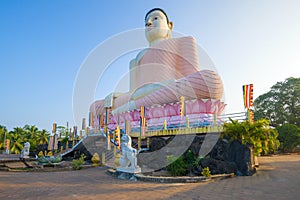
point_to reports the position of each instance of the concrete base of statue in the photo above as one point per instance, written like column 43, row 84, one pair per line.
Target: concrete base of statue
column 128, row 173
column 129, row 170
column 24, row 156
column 124, row 174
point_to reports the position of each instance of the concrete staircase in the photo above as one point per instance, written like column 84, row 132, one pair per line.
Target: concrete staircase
column 90, row 145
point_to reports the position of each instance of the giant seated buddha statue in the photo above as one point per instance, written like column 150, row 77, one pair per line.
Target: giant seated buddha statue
column 159, row 75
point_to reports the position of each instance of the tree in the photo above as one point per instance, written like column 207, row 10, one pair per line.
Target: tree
column 289, row 137
column 35, row 136
column 31, row 133
column 17, row 138
column 42, row 137
column 259, row 134
column 3, row 133
column 63, row 131
column 281, row 105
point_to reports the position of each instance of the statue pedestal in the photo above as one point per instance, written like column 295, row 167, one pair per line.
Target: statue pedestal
column 129, row 170
column 123, row 175
column 24, row 156
column 127, row 173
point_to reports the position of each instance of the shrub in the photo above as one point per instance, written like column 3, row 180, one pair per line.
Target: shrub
column 189, row 159
column 206, row 172
column 77, row 163
column 177, row 166
column 259, row 134
column 289, row 137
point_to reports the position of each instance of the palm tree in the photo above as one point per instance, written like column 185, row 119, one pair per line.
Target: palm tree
column 31, row 136
column 42, row 137
column 31, row 131
column 3, row 133
column 17, row 138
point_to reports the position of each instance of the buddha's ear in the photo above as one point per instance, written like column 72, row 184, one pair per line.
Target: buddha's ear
column 170, row 25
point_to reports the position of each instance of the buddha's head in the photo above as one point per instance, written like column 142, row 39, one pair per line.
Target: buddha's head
column 157, row 25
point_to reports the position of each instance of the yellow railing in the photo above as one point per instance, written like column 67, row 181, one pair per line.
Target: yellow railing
column 179, row 131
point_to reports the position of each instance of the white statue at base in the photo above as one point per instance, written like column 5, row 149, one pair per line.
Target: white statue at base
column 25, row 151
column 128, row 160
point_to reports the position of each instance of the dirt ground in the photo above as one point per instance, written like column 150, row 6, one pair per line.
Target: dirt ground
column 278, row 177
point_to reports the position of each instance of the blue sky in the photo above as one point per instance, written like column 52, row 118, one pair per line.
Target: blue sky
column 44, row 43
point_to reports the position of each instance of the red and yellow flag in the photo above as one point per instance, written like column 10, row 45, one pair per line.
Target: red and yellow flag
column 248, row 95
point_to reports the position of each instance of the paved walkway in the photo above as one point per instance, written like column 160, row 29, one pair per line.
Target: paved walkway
column 278, row 178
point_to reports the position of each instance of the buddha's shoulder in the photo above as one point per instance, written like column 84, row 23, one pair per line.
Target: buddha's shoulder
column 179, row 43
column 134, row 62
column 185, row 39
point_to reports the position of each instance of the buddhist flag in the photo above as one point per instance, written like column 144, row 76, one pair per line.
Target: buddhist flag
column 55, row 144
column 83, row 127
column 107, row 115
column 50, row 143
column 91, row 120
column 143, row 120
column 75, row 131
column 101, row 123
column 143, row 126
column 127, row 127
column 143, row 111
column 7, row 144
column 248, row 95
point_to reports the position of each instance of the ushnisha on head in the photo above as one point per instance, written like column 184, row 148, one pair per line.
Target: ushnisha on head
column 157, row 26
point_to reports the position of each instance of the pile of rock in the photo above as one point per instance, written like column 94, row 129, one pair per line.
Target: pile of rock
column 227, row 157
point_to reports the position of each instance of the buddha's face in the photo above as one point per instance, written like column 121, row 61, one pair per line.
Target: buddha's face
column 157, row 26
